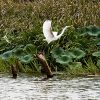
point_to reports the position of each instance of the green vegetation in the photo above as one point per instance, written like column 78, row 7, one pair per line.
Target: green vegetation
column 76, row 53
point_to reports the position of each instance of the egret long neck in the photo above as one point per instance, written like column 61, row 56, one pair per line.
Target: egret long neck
column 62, row 32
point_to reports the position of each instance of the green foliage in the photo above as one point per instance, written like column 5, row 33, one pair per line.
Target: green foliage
column 3, row 66
column 26, row 59
column 6, row 55
column 98, row 63
column 77, row 53
column 57, row 52
column 76, row 69
column 97, row 41
column 91, row 68
column 96, row 54
column 30, row 48
column 90, row 30
column 65, row 57
column 18, row 52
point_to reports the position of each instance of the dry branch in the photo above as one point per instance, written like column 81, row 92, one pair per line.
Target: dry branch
column 44, row 63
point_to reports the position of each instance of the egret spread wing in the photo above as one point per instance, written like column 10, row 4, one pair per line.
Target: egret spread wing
column 47, row 29
column 49, row 35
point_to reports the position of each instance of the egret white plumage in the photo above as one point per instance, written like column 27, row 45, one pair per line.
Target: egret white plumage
column 49, row 34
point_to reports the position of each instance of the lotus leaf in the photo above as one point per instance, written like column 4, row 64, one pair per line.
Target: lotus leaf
column 30, row 48
column 64, row 59
column 6, row 55
column 57, row 52
column 26, row 59
column 18, row 52
column 97, row 41
column 68, row 53
column 77, row 53
column 94, row 30
column 83, row 30
column 96, row 54
column 90, row 30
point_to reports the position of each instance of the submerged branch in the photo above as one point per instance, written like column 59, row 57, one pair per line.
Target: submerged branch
column 44, row 63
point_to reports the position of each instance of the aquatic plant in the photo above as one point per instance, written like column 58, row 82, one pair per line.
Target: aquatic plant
column 97, row 41
column 25, row 55
column 26, row 59
column 76, row 53
column 64, row 57
column 98, row 63
column 56, row 52
column 30, row 48
column 90, row 30
column 18, row 52
column 96, row 54
column 6, row 55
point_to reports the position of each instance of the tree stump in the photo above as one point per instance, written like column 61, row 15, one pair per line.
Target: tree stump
column 14, row 71
column 44, row 63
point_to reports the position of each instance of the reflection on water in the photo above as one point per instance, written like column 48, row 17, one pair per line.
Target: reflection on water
column 30, row 88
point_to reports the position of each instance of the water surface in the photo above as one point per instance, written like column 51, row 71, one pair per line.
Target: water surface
column 31, row 88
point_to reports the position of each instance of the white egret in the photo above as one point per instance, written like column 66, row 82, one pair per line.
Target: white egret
column 49, row 34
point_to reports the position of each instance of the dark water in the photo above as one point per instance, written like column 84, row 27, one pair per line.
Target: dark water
column 31, row 88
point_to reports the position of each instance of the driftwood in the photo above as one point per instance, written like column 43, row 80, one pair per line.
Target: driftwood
column 44, row 63
column 15, row 68
column 41, row 59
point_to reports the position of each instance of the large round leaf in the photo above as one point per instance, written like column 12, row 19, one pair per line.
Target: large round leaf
column 96, row 54
column 94, row 31
column 82, row 31
column 77, row 53
column 90, row 30
column 30, row 48
column 26, row 59
column 6, row 55
column 97, row 41
column 68, row 53
column 64, row 59
column 57, row 52
column 18, row 52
